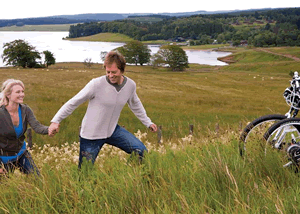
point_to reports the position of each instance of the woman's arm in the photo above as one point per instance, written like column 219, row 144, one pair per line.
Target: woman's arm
column 34, row 123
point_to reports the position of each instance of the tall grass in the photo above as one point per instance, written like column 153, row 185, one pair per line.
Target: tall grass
column 188, row 176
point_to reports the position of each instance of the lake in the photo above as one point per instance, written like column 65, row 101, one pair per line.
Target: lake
column 78, row 51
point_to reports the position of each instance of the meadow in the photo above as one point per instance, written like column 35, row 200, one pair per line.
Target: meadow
column 199, row 173
column 104, row 37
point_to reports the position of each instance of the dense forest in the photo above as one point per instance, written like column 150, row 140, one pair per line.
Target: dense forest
column 280, row 27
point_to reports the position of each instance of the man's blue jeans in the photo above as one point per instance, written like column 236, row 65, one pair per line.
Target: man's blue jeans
column 120, row 138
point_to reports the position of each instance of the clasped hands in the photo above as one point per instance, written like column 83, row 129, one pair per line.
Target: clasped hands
column 53, row 129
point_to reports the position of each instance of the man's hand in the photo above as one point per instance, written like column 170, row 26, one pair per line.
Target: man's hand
column 153, row 127
column 53, row 129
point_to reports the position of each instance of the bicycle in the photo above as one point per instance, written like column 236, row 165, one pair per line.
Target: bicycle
column 285, row 134
column 256, row 130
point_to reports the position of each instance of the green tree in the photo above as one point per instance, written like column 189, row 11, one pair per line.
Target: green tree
column 20, row 53
column 220, row 38
column 135, row 52
column 156, row 60
column 49, row 58
column 236, row 43
column 205, row 39
column 268, row 26
column 174, row 56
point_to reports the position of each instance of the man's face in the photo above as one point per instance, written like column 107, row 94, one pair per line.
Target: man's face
column 114, row 74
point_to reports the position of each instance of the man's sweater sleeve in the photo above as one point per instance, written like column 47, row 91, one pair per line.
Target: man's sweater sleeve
column 67, row 109
column 138, row 109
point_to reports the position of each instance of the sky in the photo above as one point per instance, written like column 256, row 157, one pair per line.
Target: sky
column 13, row 9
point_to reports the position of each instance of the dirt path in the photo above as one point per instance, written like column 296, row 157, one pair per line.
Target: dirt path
column 279, row 54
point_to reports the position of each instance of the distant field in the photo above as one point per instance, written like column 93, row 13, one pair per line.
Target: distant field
column 104, row 37
column 62, row 27
column 295, row 51
column 253, row 55
column 249, row 26
column 199, row 47
column 113, row 37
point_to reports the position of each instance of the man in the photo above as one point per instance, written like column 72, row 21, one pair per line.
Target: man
column 107, row 96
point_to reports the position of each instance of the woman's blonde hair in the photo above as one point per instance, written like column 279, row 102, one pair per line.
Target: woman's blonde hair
column 7, row 89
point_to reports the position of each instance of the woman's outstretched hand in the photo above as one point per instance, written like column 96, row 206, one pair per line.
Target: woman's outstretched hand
column 53, row 129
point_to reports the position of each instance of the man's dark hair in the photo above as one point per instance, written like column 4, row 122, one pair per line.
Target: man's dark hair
column 115, row 57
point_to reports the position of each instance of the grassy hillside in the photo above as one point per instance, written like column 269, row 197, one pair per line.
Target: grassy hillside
column 113, row 37
column 202, row 95
column 293, row 51
column 104, row 37
column 202, row 173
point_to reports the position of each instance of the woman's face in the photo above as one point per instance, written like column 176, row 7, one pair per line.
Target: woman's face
column 17, row 95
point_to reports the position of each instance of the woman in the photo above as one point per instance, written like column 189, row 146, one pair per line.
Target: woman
column 14, row 118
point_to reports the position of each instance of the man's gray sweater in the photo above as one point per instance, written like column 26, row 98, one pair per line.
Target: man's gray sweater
column 104, row 108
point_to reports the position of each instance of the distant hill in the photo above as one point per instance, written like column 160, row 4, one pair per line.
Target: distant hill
column 93, row 16
column 118, row 16
column 80, row 18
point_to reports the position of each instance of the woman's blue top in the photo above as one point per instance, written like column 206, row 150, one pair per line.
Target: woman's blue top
column 18, row 130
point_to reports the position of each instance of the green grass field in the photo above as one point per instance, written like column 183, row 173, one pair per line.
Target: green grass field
column 104, row 37
column 202, row 173
column 113, row 37
column 255, row 56
column 294, row 51
column 205, row 47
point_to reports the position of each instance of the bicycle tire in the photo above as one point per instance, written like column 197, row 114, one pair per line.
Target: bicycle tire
column 295, row 122
column 272, row 118
column 280, row 136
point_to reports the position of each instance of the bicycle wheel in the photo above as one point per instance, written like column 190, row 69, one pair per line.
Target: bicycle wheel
column 255, row 130
column 283, row 133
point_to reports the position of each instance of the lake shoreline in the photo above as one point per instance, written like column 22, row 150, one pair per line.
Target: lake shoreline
column 70, row 51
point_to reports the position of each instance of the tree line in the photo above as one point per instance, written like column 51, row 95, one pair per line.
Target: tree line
column 39, row 21
column 280, row 27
